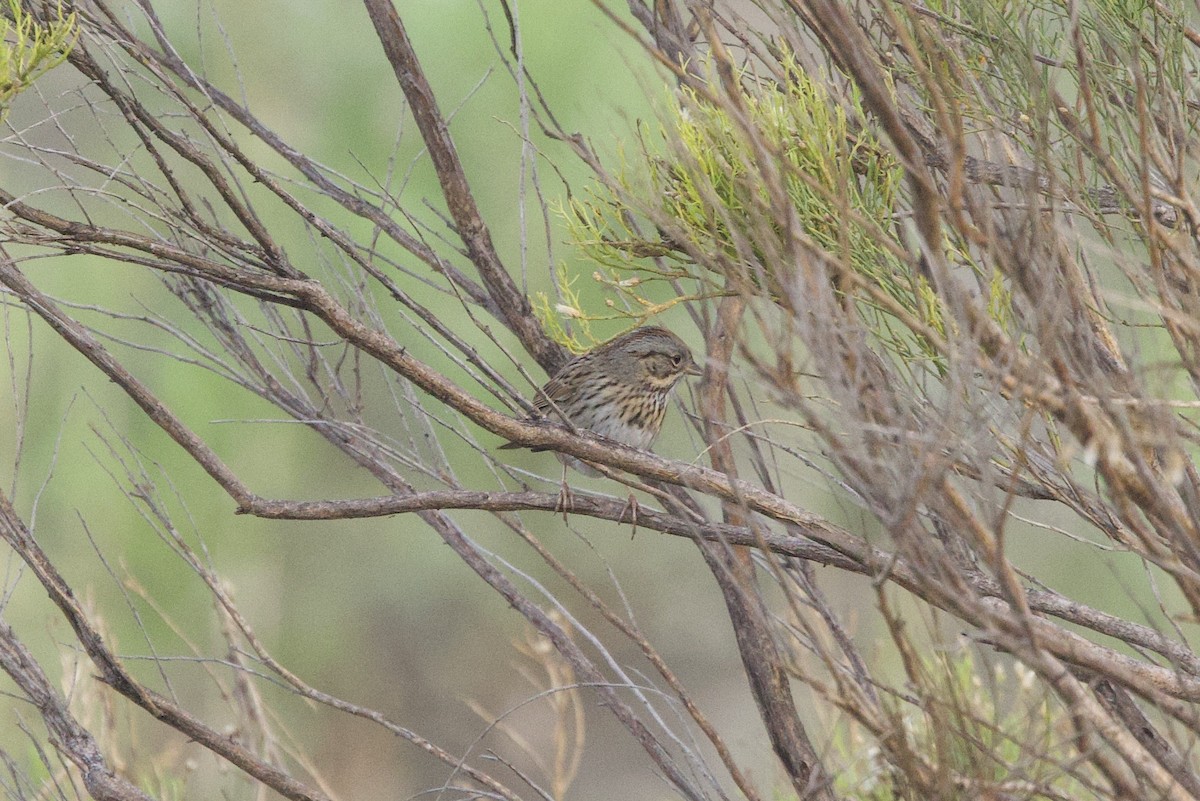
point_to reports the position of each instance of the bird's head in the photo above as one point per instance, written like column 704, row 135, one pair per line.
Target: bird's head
column 657, row 357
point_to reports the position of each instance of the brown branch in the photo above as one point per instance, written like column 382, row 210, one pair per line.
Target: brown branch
column 586, row 670
column 796, row 546
column 1117, row 702
column 81, row 340
column 71, row 739
column 617, row 511
column 734, row 572
column 980, row 171
column 672, row 39
column 582, row 445
column 850, row 47
column 469, row 223
column 1031, row 363
column 381, row 346
column 142, row 121
column 1093, row 722
column 164, row 60
column 14, row 531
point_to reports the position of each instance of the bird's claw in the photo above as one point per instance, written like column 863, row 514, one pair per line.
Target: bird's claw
column 566, row 499
column 631, row 506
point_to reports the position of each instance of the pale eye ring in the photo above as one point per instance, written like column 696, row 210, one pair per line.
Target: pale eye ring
column 677, row 359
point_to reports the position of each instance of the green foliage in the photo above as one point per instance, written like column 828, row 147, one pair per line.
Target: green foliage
column 711, row 183
column 553, row 315
column 29, row 49
column 718, row 223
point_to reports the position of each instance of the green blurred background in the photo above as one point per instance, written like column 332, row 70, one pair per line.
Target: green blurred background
column 378, row 612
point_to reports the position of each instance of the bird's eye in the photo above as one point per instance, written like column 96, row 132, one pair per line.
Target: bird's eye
column 677, row 360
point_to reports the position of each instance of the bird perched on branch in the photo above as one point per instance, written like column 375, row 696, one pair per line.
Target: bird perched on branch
column 618, row 390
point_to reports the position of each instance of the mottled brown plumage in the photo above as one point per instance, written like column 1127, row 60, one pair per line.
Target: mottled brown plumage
column 620, row 389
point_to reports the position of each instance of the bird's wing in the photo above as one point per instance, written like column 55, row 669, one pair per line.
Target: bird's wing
column 554, row 393
column 557, row 391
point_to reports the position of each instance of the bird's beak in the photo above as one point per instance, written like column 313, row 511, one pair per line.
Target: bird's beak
column 693, row 369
